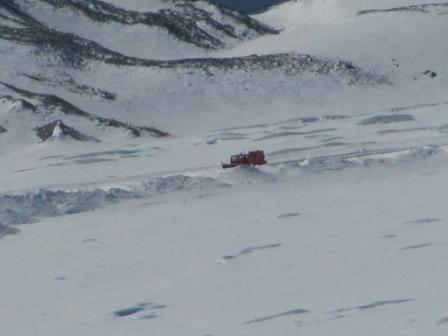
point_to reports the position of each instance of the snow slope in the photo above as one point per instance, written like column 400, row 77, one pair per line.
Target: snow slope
column 116, row 216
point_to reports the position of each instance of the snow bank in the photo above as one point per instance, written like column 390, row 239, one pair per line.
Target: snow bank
column 28, row 207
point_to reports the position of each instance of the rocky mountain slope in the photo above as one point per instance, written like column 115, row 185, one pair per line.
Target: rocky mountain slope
column 66, row 67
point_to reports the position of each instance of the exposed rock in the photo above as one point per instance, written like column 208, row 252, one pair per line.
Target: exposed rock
column 76, row 52
column 290, row 63
column 16, row 14
column 50, row 104
column 58, row 130
column 72, row 49
column 184, row 20
column 134, row 130
column 430, row 73
column 19, row 104
column 2, row 129
column 438, row 8
column 71, row 85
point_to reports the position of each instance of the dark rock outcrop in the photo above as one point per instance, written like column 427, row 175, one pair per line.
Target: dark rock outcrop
column 71, row 85
column 183, row 20
column 72, row 49
column 48, row 104
column 430, row 73
column 24, row 104
column 16, row 14
column 76, row 51
column 2, row 129
column 290, row 63
column 438, row 8
column 135, row 131
column 58, row 129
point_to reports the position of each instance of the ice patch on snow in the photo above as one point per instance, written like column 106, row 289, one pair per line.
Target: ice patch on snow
column 386, row 119
column 423, row 221
column 139, row 308
column 249, row 250
column 288, row 215
column 443, row 321
column 413, row 247
column 374, row 305
column 267, row 318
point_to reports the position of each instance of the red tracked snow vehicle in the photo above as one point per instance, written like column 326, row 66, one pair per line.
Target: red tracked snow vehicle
column 254, row 158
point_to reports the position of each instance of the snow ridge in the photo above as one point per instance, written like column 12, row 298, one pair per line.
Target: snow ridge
column 26, row 208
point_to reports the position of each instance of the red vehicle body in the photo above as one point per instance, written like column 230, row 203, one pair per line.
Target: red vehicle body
column 254, row 158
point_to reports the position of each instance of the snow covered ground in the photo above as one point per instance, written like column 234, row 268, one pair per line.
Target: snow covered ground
column 138, row 230
column 361, row 250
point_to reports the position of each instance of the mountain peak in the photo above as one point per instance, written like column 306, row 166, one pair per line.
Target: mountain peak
column 57, row 130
